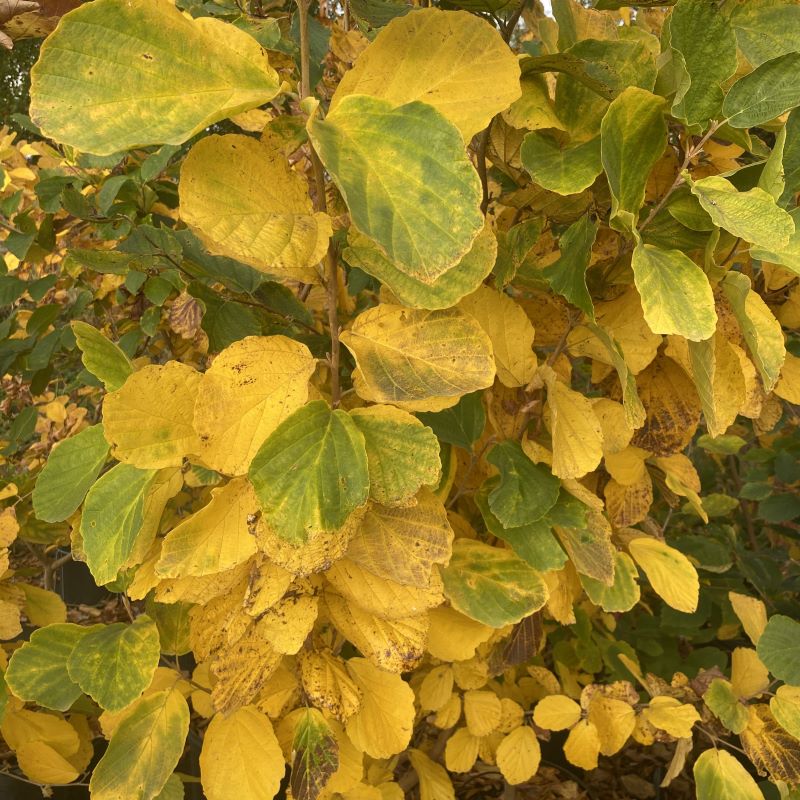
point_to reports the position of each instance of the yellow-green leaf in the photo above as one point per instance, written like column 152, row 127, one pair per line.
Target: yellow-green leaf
column 563, row 168
column 406, row 179
column 719, row 776
column 633, row 135
column 402, row 453
column 492, row 585
column 104, row 359
column 752, row 215
column 676, row 295
column 144, row 749
column 115, row 663
column 119, row 74
column 243, row 201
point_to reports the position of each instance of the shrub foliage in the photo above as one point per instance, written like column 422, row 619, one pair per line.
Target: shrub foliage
column 422, row 384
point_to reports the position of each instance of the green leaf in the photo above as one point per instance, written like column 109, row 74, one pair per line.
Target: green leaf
column 406, row 179
column 765, row 93
column 704, row 38
column 526, row 491
column 37, row 672
column 719, row 776
column 761, row 331
column 623, row 594
column 766, row 30
column 316, row 755
column 491, row 585
column 788, row 256
column 772, row 179
column 561, row 168
column 112, row 517
column 752, row 215
column 463, row 279
column 567, row 276
column 101, row 357
column 785, row 707
column 462, row 424
column 118, row 74
column 633, row 135
column 534, row 543
column 675, row 292
column 402, row 453
column 72, row 467
column 725, row 705
column 311, row 473
column 243, row 200
column 779, row 648
column 115, row 663
column 144, row 749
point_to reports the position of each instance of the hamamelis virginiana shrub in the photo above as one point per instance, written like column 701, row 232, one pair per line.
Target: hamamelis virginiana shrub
column 438, row 399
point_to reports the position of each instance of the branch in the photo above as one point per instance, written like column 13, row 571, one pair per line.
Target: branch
column 320, row 203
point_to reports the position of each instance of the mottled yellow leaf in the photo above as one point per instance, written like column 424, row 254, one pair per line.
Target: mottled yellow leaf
column 407, row 356
column 251, row 387
column 243, row 200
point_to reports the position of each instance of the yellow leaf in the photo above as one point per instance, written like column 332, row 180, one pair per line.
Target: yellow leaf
column 148, row 420
column 434, row 782
column 453, row 636
column 241, row 757
column 752, row 614
column 518, row 755
column 672, row 716
column 9, row 527
column 583, row 745
column 451, row 60
column 267, row 583
column 251, row 387
column 327, row 684
column 772, row 750
column 510, row 331
column 382, row 725
column 396, row 645
column 556, row 712
column 449, row 714
column 215, row 538
column 287, row 624
column 409, row 356
column 461, row 751
column 614, row 720
column 436, row 688
column 43, row 607
column 482, row 712
column 671, row 574
column 577, row 435
column 241, row 670
column 403, row 544
column 617, row 434
column 244, row 201
column 627, row 466
column 41, row 763
column 512, row 716
column 23, row 727
column 788, row 386
column 749, row 676
column 628, row 505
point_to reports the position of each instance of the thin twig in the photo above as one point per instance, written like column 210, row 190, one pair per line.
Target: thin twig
column 691, row 152
column 321, row 204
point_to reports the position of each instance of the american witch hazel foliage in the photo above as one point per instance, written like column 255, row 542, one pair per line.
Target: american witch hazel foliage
column 440, row 372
